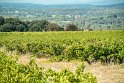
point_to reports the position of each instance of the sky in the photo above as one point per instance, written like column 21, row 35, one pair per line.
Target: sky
column 93, row 2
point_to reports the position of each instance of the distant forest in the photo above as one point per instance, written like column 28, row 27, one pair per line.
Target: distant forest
column 14, row 24
column 38, row 17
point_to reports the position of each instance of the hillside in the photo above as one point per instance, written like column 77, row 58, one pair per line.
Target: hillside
column 31, row 5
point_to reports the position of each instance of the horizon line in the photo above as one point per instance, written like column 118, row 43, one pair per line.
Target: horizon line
column 62, row 3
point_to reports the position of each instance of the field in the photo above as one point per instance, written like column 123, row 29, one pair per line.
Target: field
column 103, row 46
column 94, row 48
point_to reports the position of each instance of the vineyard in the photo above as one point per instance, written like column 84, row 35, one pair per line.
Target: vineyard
column 90, row 46
column 12, row 72
column 106, row 47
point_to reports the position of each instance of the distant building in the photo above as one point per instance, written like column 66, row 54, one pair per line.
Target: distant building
column 16, row 11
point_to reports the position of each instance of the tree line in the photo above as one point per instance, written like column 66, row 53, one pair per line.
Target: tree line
column 16, row 25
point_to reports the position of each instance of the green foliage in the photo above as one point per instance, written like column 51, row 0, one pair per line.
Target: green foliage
column 104, row 46
column 7, row 28
column 71, row 27
column 73, row 52
column 21, row 28
column 13, row 21
column 12, row 72
column 38, row 25
column 14, row 24
column 53, row 27
column 80, row 69
column 34, row 27
column 1, row 20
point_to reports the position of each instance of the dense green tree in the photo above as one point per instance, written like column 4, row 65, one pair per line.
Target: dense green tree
column 7, row 28
column 13, row 21
column 21, row 28
column 18, row 25
column 35, row 27
column 41, row 25
column 53, row 27
column 1, row 20
column 71, row 27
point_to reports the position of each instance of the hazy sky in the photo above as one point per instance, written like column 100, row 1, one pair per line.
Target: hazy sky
column 98, row 2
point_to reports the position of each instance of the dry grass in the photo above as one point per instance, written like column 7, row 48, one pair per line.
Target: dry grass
column 24, row 59
column 107, row 73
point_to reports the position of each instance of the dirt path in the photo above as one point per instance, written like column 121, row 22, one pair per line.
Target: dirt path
column 107, row 73
column 103, row 73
